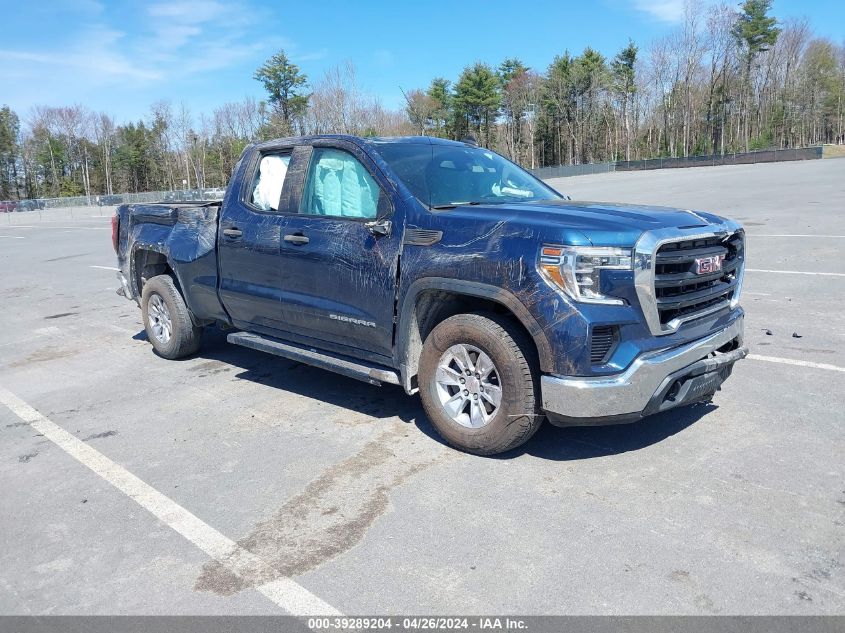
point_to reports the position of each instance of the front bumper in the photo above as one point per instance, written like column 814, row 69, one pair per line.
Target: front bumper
column 654, row 382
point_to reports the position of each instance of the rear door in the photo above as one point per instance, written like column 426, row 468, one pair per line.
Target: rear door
column 249, row 241
column 340, row 252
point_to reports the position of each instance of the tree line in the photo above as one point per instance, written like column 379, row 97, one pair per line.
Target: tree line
column 729, row 78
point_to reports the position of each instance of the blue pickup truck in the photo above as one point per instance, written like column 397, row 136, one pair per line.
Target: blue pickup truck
column 446, row 269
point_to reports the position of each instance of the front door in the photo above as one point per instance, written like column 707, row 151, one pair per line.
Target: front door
column 340, row 253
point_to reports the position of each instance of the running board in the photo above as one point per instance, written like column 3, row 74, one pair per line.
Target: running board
column 372, row 374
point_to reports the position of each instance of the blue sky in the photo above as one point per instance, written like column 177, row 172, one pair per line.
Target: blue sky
column 119, row 57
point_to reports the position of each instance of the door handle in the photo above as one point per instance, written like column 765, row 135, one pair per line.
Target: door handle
column 297, row 239
column 232, row 232
column 379, row 227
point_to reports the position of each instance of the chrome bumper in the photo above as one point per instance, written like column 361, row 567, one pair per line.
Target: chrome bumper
column 628, row 394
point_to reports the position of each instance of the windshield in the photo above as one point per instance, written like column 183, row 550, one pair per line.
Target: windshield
column 449, row 175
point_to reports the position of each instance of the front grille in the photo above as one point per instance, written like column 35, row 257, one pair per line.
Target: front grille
column 601, row 343
column 679, row 291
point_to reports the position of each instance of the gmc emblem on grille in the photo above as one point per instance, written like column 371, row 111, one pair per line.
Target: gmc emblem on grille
column 707, row 265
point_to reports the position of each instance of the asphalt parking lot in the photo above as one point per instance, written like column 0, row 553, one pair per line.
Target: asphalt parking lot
column 262, row 485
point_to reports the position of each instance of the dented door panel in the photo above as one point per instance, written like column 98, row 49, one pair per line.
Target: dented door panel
column 338, row 277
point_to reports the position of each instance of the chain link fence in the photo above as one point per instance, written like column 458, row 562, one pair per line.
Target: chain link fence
column 180, row 195
column 555, row 171
column 739, row 158
column 563, row 171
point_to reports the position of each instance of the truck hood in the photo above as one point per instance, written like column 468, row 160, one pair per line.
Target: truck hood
column 601, row 223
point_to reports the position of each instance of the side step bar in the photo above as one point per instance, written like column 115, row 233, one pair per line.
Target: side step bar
column 372, row 374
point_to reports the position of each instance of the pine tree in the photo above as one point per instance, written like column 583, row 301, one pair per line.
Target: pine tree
column 622, row 69
column 440, row 92
column 285, row 85
column 755, row 32
column 477, row 100
column 9, row 131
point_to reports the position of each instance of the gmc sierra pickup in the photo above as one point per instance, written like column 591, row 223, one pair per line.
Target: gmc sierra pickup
column 446, row 269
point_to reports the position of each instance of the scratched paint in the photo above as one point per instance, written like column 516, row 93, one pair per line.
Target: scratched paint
column 262, row 282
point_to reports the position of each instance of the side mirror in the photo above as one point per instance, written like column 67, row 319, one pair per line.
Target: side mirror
column 379, row 227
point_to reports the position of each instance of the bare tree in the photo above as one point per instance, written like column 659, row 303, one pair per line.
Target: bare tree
column 104, row 129
column 420, row 108
column 184, row 138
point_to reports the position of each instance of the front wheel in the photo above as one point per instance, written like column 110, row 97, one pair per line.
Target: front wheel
column 167, row 319
column 478, row 383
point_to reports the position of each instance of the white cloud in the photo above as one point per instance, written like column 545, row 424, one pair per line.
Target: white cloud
column 93, row 57
column 165, row 49
column 171, row 39
column 189, row 10
column 311, row 56
column 180, row 32
column 671, row 11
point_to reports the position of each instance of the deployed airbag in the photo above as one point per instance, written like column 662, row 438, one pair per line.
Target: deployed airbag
column 343, row 187
column 271, row 178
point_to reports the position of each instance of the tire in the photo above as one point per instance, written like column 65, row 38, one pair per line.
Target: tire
column 517, row 416
column 161, row 304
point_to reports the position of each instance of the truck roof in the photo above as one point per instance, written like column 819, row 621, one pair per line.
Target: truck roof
column 419, row 140
column 361, row 140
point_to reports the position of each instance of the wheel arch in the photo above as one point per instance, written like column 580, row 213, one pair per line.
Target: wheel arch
column 432, row 299
column 146, row 262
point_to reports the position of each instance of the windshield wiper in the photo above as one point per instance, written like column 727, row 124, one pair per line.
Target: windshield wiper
column 452, row 205
column 490, row 200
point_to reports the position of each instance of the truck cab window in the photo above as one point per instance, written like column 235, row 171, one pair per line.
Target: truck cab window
column 267, row 189
column 339, row 185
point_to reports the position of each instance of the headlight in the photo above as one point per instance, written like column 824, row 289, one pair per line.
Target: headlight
column 577, row 269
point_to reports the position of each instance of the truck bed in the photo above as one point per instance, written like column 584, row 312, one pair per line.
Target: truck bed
column 182, row 233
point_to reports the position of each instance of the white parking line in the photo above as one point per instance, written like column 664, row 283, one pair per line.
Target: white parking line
column 792, row 272
column 290, row 596
column 791, row 235
column 12, row 237
column 105, row 267
column 799, row 363
column 77, row 228
column 83, row 228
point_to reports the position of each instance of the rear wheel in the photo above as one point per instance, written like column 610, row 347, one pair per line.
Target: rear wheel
column 167, row 319
column 478, row 383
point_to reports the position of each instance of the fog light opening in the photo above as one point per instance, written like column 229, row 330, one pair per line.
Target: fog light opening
column 673, row 391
